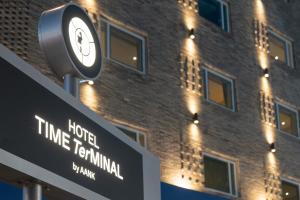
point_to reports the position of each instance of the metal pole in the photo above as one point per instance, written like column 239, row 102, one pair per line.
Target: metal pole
column 71, row 85
column 32, row 191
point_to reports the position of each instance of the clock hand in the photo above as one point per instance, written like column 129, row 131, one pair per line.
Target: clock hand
column 79, row 40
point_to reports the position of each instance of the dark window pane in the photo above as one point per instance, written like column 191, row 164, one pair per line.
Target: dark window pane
column 219, row 90
column 125, row 48
column 277, row 48
column 129, row 133
column 216, row 174
column 287, row 121
column 289, row 191
column 211, row 10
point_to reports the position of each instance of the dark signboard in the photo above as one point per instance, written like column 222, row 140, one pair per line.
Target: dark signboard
column 38, row 126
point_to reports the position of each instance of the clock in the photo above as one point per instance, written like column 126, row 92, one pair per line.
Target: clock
column 82, row 42
column 70, row 42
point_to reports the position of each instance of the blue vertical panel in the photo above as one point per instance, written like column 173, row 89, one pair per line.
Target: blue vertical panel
column 171, row 192
column 9, row 192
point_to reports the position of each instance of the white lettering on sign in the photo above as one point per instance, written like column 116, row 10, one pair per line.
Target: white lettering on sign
column 56, row 135
column 81, row 138
column 82, row 133
column 84, row 171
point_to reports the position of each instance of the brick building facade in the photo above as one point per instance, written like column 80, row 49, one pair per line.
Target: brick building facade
column 161, row 100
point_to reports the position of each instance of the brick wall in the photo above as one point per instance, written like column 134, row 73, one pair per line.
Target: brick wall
column 157, row 105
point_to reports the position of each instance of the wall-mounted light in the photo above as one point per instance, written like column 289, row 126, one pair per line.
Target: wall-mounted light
column 190, row 5
column 195, row 118
column 272, row 147
column 287, row 194
column 266, row 73
column 192, row 34
column 90, row 82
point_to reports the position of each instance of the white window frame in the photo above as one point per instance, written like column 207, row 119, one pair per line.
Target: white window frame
column 278, row 120
column 233, row 96
column 223, row 3
column 138, row 133
column 228, row 162
column 293, row 183
column 288, row 47
column 108, row 26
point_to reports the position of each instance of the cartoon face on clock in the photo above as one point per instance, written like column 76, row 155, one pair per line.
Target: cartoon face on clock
column 82, row 42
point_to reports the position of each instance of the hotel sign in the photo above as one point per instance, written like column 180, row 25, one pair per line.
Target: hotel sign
column 40, row 127
column 80, row 136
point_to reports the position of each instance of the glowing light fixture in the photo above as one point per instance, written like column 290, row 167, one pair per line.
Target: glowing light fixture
column 286, row 194
column 272, row 147
column 283, row 123
column 276, row 57
column 90, row 82
column 195, row 118
column 266, row 73
column 190, row 5
column 192, row 34
column 134, row 58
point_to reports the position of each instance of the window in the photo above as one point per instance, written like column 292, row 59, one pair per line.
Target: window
column 215, row 11
column 290, row 191
column 287, row 119
column 123, row 47
column 219, row 90
column 219, row 175
column 281, row 48
column 134, row 135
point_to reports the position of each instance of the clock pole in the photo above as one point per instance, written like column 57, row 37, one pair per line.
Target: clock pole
column 32, row 191
column 71, row 85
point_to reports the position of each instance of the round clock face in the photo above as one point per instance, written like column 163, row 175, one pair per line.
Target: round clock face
column 82, row 42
